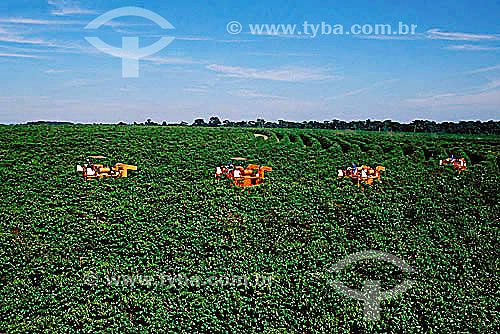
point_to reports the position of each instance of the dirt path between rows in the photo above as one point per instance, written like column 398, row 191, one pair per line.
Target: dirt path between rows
column 265, row 137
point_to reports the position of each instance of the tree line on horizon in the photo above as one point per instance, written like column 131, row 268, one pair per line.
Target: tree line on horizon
column 421, row 126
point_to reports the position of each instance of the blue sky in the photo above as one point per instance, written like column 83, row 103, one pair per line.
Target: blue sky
column 448, row 71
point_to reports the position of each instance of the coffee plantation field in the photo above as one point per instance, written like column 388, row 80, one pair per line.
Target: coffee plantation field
column 62, row 238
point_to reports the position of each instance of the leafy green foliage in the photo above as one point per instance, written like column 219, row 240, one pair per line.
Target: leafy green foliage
column 173, row 216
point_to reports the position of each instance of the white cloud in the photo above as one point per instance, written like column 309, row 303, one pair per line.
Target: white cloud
column 490, row 99
column 16, row 36
column 68, row 7
column 431, row 99
column 234, row 41
column 280, row 35
column 361, row 90
column 460, row 36
column 393, row 37
column 78, row 83
column 33, row 51
column 277, row 54
column 485, row 69
column 292, row 74
column 201, row 90
column 128, row 89
column 72, row 11
column 15, row 55
column 493, row 84
column 192, row 38
column 21, row 40
column 468, row 47
column 38, row 22
column 437, row 34
column 29, row 21
column 172, row 60
column 487, row 96
column 251, row 93
column 52, row 71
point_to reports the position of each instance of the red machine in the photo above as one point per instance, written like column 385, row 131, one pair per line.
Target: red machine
column 252, row 175
column 459, row 163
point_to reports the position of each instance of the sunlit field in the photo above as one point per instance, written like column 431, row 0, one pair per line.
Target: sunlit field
column 63, row 239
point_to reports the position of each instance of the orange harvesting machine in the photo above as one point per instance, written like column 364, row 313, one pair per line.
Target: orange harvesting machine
column 93, row 170
column 252, row 175
column 364, row 174
column 459, row 163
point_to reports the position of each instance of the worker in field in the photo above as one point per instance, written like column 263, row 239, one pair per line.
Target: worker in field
column 363, row 173
column 461, row 165
column 229, row 168
column 90, row 168
column 218, row 171
column 355, row 171
column 237, row 173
